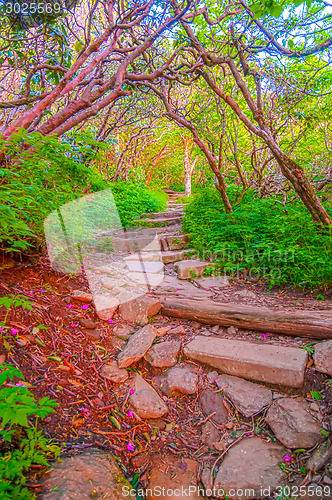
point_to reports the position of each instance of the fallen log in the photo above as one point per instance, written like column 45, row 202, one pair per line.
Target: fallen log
column 300, row 323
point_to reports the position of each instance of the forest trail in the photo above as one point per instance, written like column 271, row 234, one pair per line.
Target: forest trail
column 179, row 400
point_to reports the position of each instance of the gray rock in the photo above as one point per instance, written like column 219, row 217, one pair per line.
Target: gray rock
column 123, row 331
column 212, row 376
column 214, row 282
column 213, row 402
column 247, row 397
column 293, row 424
column 145, row 400
column 320, row 457
column 163, row 354
column 139, row 310
column 179, row 380
column 231, row 330
column 91, row 474
column 251, row 465
column 210, row 434
column 112, row 372
column 94, row 334
column 87, row 323
column 323, row 357
column 190, row 268
column 138, row 344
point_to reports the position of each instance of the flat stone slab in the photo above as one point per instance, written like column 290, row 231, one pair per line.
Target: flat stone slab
column 293, row 424
column 247, row 397
column 145, row 400
column 263, row 362
column 300, row 323
column 190, row 268
column 138, row 344
column 84, row 476
column 252, row 465
column 323, row 357
column 170, row 256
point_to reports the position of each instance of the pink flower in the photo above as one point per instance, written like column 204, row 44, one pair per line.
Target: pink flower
column 85, row 307
column 130, row 414
column 110, row 321
column 287, row 458
column 69, row 306
column 41, row 290
column 14, row 331
column 130, row 446
column 19, row 384
column 73, row 324
column 265, row 335
column 85, row 411
column 132, row 391
column 1, row 328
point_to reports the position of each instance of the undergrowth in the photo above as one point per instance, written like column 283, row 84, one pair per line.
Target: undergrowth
column 41, row 174
column 261, row 239
column 22, row 444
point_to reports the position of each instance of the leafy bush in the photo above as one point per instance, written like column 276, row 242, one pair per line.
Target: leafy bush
column 22, row 443
column 261, row 238
column 38, row 179
column 132, row 200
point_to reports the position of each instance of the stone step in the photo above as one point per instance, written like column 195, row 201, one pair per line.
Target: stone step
column 174, row 242
column 262, row 362
column 161, row 215
column 174, row 255
column 166, row 221
column 190, row 268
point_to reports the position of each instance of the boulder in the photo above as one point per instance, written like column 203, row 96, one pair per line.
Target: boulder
column 320, row 457
column 112, row 372
column 213, row 402
column 138, row 344
column 139, row 310
column 145, row 400
column 164, row 354
column 323, row 357
column 247, row 397
column 190, row 268
column 250, row 467
column 293, row 424
column 92, row 474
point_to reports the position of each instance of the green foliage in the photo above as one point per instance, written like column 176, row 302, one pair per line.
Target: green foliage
column 24, row 445
column 43, row 173
column 262, row 239
column 132, row 200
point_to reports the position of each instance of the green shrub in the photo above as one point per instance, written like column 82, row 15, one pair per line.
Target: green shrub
column 23, row 445
column 261, row 238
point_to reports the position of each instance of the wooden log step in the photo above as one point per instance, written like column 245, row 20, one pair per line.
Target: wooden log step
column 300, row 323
